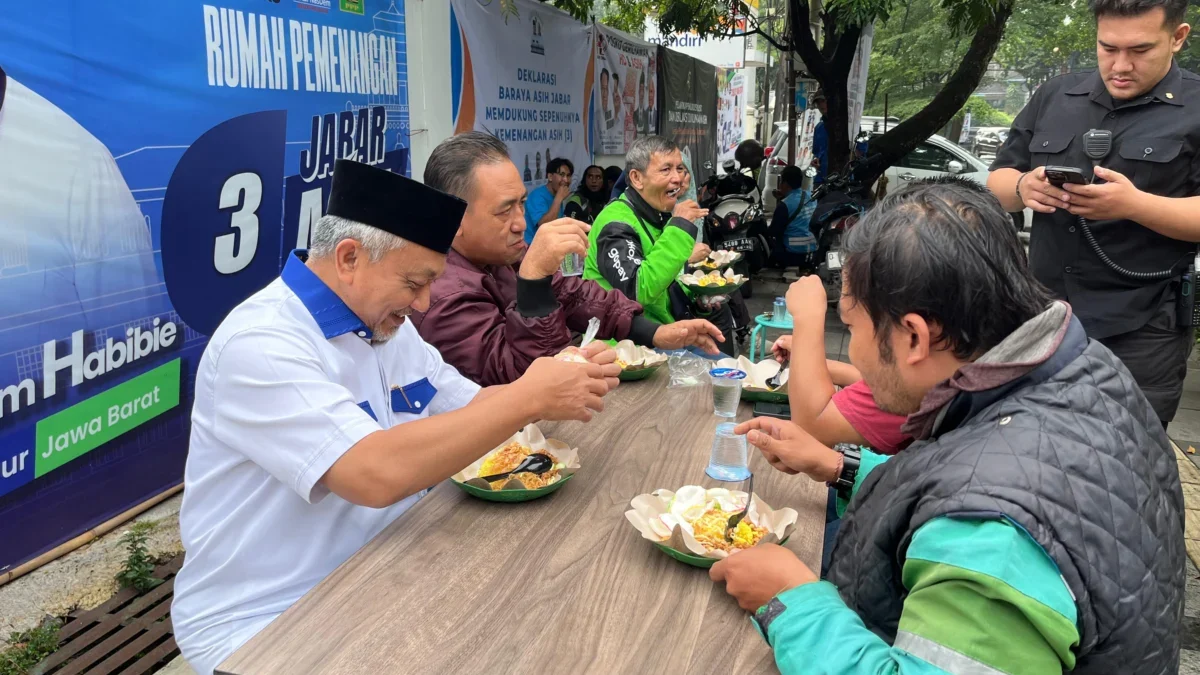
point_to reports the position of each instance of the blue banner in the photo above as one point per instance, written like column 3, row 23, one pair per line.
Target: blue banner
column 159, row 159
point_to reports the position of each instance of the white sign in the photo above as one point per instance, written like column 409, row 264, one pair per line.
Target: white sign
column 731, row 110
column 531, row 83
column 720, row 52
column 626, row 101
column 856, row 89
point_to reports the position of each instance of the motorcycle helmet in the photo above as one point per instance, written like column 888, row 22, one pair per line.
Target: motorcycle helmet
column 750, row 154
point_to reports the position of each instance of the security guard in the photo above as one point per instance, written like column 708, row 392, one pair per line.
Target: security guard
column 1117, row 249
column 321, row 416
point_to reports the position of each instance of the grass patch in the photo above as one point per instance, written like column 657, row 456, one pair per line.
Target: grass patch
column 27, row 649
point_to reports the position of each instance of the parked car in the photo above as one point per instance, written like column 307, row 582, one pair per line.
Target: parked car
column 985, row 142
column 935, row 156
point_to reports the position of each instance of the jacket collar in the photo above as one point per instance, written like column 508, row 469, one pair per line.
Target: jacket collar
column 328, row 309
column 1033, row 353
column 643, row 209
column 1166, row 91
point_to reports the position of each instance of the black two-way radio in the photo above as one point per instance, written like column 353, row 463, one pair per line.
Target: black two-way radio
column 1097, row 144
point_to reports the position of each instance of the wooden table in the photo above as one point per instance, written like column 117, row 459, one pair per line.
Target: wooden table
column 559, row 584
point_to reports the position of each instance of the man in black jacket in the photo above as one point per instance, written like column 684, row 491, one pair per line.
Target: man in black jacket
column 1035, row 525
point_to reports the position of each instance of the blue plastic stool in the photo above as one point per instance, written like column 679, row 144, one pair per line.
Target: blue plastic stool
column 758, row 338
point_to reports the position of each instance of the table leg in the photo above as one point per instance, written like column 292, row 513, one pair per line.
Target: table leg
column 754, row 337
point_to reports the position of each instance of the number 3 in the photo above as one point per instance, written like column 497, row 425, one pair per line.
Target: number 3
column 244, row 189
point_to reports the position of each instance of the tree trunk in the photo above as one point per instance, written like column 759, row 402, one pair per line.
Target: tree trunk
column 901, row 140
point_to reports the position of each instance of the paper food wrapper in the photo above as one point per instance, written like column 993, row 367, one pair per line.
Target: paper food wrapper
column 532, row 437
column 719, row 259
column 757, row 374
column 647, row 508
column 639, row 357
column 571, row 355
column 693, row 279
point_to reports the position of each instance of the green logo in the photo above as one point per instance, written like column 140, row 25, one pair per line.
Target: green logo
column 353, row 6
column 85, row 426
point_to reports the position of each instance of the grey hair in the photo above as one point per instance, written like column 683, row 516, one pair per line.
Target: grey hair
column 645, row 147
column 451, row 166
column 333, row 230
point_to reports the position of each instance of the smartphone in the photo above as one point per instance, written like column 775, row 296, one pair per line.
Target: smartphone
column 1061, row 175
column 780, row 411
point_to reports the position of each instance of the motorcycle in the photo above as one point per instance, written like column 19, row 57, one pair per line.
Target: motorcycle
column 841, row 200
column 735, row 220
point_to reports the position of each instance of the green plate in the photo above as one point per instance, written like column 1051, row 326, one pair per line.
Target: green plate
column 727, row 289
column 511, row 496
column 694, row 560
column 756, row 396
column 639, row 374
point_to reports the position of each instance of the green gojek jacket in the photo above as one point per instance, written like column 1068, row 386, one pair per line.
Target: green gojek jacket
column 639, row 251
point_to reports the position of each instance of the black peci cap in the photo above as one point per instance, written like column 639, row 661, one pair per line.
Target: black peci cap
column 401, row 206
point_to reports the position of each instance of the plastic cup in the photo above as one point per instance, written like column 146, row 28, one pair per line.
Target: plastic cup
column 572, row 265
column 729, row 461
column 727, row 390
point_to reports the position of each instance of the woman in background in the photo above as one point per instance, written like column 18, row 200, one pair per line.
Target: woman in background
column 589, row 198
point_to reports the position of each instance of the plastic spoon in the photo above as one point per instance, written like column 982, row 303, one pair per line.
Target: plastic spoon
column 537, row 463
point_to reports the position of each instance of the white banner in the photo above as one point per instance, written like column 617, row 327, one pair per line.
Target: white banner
column 856, row 89
column 626, row 101
column 731, row 110
column 722, row 53
column 526, row 79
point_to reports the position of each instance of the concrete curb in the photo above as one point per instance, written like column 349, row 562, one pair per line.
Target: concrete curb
column 1189, row 477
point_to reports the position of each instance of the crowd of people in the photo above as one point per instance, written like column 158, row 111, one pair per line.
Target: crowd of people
column 1003, row 495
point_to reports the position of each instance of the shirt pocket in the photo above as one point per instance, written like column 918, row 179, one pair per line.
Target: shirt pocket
column 413, row 399
column 1151, row 162
column 1049, row 148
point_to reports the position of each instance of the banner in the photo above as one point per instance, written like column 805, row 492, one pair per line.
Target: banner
column 731, row 109
column 159, row 160
column 524, row 78
column 856, row 87
column 729, row 52
column 689, row 108
column 626, row 94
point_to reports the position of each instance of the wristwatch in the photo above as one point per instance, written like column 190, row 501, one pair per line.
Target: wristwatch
column 851, row 460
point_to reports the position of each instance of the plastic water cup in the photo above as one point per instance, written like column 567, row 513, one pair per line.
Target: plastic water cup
column 780, row 313
column 727, row 390
column 729, row 461
column 572, row 265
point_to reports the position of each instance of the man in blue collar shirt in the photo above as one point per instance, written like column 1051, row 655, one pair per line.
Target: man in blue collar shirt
column 320, row 415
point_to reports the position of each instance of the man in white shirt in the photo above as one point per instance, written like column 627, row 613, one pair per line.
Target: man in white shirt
column 320, row 415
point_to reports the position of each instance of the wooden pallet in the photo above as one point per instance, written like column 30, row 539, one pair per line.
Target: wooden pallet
column 129, row 634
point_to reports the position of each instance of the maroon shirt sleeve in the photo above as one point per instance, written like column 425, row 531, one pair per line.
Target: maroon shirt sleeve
column 582, row 299
column 879, row 428
column 488, row 344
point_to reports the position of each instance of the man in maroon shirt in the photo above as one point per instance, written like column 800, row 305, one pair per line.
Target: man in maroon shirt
column 849, row 415
column 501, row 304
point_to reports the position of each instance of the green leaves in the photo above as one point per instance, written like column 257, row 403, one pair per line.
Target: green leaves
column 137, row 572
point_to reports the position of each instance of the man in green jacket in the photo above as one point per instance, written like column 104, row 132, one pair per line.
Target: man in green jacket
column 641, row 242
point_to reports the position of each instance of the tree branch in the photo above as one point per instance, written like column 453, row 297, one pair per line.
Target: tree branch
column 900, row 140
column 843, row 58
column 803, row 40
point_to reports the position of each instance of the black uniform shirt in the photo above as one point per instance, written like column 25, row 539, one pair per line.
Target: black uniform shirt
column 1156, row 144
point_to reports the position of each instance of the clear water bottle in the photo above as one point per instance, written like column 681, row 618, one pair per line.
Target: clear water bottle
column 729, row 461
